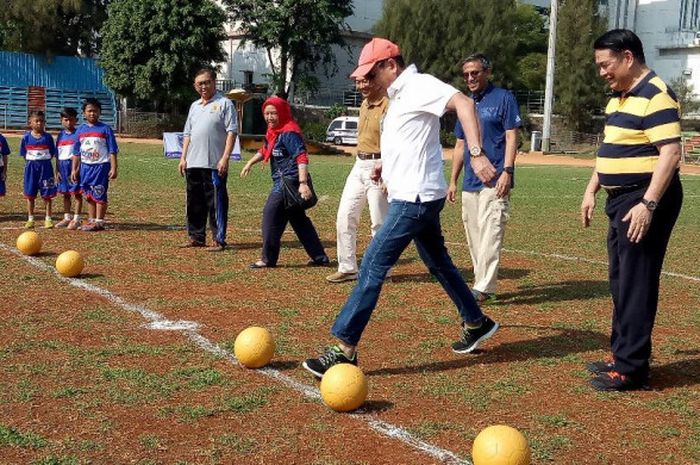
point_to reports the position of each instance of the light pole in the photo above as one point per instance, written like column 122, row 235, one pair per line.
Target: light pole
column 549, row 83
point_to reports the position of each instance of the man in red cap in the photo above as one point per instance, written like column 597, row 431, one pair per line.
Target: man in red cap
column 412, row 169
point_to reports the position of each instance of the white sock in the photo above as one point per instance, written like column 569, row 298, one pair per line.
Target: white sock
column 99, row 220
column 76, row 217
column 66, row 216
column 48, row 217
column 30, row 217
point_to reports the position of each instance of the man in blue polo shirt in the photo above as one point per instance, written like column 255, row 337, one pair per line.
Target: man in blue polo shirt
column 209, row 135
column 485, row 206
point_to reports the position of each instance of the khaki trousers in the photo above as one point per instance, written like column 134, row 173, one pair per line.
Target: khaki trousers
column 485, row 217
column 359, row 190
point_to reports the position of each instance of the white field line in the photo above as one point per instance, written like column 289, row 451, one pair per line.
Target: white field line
column 157, row 321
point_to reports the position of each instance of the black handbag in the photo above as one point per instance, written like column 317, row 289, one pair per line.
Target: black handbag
column 292, row 197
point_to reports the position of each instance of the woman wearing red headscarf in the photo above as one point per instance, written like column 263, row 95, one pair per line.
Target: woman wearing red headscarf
column 285, row 150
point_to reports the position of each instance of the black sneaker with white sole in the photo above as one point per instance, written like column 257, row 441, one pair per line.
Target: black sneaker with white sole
column 333, row 355
column 472, row 338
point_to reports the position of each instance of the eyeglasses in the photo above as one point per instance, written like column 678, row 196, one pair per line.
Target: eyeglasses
column 472, row 74
column 203, row 83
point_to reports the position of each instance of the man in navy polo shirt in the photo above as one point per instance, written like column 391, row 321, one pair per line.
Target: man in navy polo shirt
column 485, row 206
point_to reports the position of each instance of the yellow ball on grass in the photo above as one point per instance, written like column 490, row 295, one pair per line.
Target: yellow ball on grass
column 500, row 445
column 29, row 243
column 70, row 264
column 344, row 387
column 254, row 347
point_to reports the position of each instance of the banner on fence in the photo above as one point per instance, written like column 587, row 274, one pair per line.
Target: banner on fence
column 172, row 146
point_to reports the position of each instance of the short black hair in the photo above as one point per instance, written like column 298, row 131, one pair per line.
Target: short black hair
column 619, row 40
column 480, row 57
column 210, row 71
column 91, row 101
column 69, row 112
column 36, row 114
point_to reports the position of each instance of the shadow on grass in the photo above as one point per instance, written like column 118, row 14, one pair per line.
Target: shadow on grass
column 284, row 365
column 13, row 217
column 90, row 275
column 676, row 374
column 467, row 273
column 46, row 254
column 568, row 341
column 555, row 292
column 144, row 227
column 374, row 406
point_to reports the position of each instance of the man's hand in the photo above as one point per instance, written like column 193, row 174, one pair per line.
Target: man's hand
column 182, row 166
column 639, row 218
column 74, row 176
column 587, row 208
column 113, row 172
column 376, row 174
column 452, row 193
column 483, row 169
column 503, row 185
column 222, row 166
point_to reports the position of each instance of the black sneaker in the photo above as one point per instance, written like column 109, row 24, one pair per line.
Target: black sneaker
column 333, row 356
column 604, row 366
column 471, row 338
column 614, row 381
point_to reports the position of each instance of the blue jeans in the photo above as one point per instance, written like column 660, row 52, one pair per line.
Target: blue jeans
column 405, row 221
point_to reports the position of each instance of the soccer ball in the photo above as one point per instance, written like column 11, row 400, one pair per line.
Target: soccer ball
column 29, row 243
column 344, row 387
column 70, row 264
column 500, row 445
column 254, row 347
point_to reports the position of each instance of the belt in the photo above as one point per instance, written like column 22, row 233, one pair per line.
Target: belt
column 618, row 191
column 368, row 156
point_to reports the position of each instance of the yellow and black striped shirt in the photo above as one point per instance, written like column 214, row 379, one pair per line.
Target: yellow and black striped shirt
column 636, row 124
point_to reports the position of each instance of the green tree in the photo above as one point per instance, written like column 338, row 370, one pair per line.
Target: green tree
column 685, row 92
column 52, row 27
column 300, row 32
column 436, row 35
column 579, row 91
column 151, row 49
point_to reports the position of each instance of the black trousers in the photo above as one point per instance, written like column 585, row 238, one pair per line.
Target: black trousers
column 275, row 219
column 207, row 199
column 634, row 273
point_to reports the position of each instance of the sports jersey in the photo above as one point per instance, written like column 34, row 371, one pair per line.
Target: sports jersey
column 4, row 149
column 95, row 143
column 37, row 148
column 65, row 141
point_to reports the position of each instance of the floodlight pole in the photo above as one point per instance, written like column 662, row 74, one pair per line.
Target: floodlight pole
column 549, row 83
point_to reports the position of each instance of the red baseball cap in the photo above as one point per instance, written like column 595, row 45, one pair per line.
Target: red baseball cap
column 375, row 50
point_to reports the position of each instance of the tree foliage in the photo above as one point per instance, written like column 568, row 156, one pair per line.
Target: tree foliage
column 579, row 91
column 437, row 35
column 301, row 32
column 684, row 91
column 52, row 27
column 151, row 49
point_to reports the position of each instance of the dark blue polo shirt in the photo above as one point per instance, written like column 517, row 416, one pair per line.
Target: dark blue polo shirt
column 498, row 112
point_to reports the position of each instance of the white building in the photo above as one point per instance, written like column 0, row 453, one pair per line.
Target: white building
column 669, row 30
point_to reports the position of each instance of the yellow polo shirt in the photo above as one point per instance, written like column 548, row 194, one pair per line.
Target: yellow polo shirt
column 371, row 114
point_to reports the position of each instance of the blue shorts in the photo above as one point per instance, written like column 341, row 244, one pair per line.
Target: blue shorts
column 94, row 181
column 38, row 178
column 65, row 186
column 2, row 181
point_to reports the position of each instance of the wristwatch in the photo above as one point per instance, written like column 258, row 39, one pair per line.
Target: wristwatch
column 650, row 204
column 475, row 151
column 509, row 170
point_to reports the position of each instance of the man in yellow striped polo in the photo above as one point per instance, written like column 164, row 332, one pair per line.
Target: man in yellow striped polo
column 637, row 165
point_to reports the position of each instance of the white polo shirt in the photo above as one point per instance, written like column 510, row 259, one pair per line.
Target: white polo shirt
column 207, row 126
column 412, row 165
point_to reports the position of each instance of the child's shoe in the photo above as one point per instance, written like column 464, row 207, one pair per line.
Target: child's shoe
column 63, row 223
column 29, row 224
column 48, row 223
column 92, row 227
column 73, row 225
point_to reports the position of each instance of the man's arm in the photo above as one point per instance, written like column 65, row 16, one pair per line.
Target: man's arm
column 588, row 203
column 457, row 161
column 182, row 166
column 466, row 113
column 639, row 216
column 113, row 166
column 222, row 165
column 505, row 180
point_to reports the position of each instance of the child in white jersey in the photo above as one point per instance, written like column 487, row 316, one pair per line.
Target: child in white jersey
column 37, row 148
column 64, row 144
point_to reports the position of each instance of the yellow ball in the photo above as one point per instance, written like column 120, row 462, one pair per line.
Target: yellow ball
column 254, row 347
column 500, row 445
column 70, row 264
column 29, row 243
column 343, row 387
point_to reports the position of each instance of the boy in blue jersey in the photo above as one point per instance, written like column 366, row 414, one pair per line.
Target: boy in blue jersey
column 4, row 152
column 64, row 144
column 94, row 163
column 37, row 148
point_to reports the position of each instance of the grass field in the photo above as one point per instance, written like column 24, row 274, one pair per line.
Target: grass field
column 91, row 375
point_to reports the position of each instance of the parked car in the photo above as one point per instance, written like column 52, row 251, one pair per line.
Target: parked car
column 343, row 130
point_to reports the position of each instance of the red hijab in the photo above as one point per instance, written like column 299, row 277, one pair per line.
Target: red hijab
column 286, row 124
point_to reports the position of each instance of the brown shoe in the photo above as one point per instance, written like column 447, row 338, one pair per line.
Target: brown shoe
column 191, row 243
column 340, row 277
